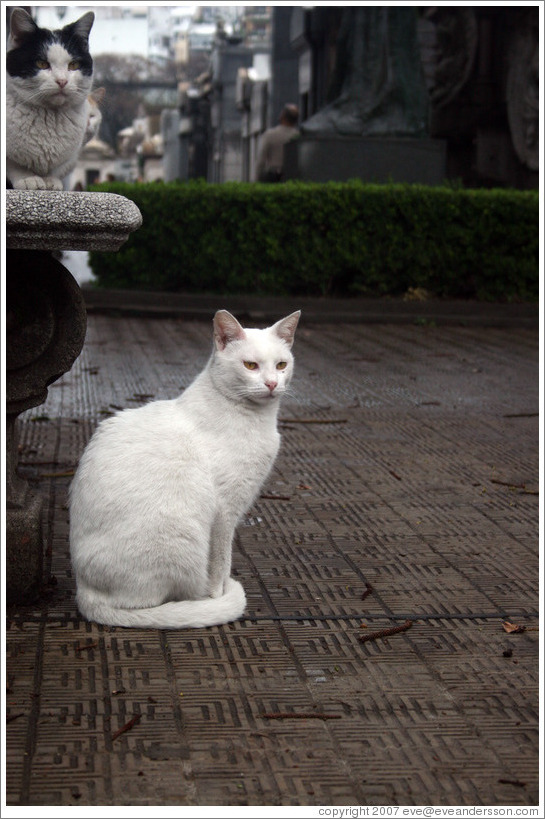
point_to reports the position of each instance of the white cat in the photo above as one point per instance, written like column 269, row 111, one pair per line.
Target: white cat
column 49, row 75
column 160, row 489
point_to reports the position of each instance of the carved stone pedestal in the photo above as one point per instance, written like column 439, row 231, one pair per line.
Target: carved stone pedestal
column 45, row 331
column 23, row 526
column 46, row 320
column 327, row 157
column 24, row 559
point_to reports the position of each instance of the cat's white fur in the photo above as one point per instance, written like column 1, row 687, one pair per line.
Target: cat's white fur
column 46, row 124
column 160, row 489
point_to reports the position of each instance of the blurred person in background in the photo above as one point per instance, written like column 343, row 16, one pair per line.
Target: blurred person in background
column 270, row 158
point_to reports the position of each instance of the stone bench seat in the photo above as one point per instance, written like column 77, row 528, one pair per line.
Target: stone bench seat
column 68, row 220
column 45, row 330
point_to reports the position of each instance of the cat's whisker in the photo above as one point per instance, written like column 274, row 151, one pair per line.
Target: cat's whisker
column 39, row 94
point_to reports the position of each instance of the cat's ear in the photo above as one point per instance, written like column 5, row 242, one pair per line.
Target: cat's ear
column 83, row 26
column 21, row 26
column 285, row 328
column 98, row 95
column 226, row 329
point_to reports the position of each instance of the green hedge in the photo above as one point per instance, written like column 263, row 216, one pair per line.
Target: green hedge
column 342, row 239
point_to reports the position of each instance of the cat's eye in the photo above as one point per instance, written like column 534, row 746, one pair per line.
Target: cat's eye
column 73, row 65
column 281, row 365
column 42, row 64
column 250, row 365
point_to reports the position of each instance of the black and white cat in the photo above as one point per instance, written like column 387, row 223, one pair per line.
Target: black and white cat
column 49, row 116
column 160, row 489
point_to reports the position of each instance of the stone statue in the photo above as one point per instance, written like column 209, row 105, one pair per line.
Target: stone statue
column 522, row 90
column 457, row 38
column 378, row 86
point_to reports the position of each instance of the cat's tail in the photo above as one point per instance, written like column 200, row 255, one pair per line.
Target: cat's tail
column 210, row 611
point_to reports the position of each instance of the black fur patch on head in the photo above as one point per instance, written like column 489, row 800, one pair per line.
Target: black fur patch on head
column 77, row 46
column 21, row 61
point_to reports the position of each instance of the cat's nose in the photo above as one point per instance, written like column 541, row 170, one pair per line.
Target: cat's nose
column 61, row 82
column 271, row 385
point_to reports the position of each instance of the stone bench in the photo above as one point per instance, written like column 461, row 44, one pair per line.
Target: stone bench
column 45, row 331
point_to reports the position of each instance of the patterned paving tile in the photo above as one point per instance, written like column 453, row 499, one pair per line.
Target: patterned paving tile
column 412, row 494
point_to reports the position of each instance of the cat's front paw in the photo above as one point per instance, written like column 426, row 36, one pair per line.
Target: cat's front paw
column 29, row 183
column 53, row 184
column 216, row 590
column 39, row 183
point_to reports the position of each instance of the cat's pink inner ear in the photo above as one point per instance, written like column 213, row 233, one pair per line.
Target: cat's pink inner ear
column 226, row 329
column 285, row 328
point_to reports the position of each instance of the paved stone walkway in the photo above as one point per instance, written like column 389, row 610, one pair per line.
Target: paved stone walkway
column 406, row 489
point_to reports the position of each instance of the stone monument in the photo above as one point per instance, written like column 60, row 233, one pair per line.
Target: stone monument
column 375, row 125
